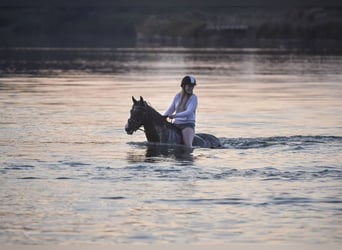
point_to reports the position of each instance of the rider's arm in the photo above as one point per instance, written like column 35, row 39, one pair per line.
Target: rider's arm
column 172, row 107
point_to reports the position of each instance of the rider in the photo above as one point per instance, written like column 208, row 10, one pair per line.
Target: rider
column 183, row 110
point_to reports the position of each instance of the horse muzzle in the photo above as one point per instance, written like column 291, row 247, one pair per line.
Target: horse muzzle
column 128, row 130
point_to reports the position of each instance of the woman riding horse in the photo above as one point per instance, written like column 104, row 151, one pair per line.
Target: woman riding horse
column 158, row 130
column 183, row 110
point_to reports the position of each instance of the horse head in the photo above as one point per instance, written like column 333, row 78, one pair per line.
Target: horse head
column 137, row 117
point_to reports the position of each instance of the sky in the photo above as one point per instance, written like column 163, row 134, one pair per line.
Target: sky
column 6, row 3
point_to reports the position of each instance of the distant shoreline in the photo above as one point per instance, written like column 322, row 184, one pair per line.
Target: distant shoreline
column 318, row 28
column 166, row 42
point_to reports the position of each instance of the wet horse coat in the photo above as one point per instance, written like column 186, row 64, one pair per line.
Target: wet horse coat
column 159, row 130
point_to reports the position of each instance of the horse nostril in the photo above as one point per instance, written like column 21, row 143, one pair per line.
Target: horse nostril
column 128, row 131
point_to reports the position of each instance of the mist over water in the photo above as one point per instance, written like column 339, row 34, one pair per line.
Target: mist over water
column 70, row 174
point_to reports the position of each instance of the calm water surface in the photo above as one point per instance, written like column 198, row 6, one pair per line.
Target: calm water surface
column 69, row 173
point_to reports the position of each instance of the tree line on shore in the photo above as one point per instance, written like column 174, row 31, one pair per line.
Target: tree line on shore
column 202, row 27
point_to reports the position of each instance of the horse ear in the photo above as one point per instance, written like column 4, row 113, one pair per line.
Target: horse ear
column 142, row 101
column 134, row 101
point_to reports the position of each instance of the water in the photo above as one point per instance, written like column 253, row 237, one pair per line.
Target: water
column 70, row 175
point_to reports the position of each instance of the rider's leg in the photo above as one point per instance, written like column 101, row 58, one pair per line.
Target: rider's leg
column 188, row 136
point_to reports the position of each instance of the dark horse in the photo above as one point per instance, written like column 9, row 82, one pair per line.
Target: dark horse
column 159, row 130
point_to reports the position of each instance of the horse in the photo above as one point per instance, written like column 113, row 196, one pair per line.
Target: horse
column 158, row 130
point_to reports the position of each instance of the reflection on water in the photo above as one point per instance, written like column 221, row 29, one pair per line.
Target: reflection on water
column 154, row 153
column 180, row 154
column 62, row 145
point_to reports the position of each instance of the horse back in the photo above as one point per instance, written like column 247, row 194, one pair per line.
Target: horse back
column 206, row 141
column 200, row 140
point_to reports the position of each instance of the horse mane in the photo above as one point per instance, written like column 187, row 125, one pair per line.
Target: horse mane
column 154, row 113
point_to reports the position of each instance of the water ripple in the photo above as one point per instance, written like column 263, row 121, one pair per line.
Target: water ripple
column 298, row 142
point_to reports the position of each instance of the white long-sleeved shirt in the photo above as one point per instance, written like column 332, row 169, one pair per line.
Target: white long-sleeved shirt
column 186, row 116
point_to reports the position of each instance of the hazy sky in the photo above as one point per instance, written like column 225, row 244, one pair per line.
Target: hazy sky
column 169, row 3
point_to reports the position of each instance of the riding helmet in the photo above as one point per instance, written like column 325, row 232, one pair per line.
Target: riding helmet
column 188, row 80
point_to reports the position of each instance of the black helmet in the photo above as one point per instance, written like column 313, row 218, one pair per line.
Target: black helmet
column 188, row 80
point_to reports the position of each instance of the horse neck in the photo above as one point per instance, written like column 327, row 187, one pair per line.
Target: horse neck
column 153, row 124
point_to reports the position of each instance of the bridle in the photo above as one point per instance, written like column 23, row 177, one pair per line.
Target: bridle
column 137, row 124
